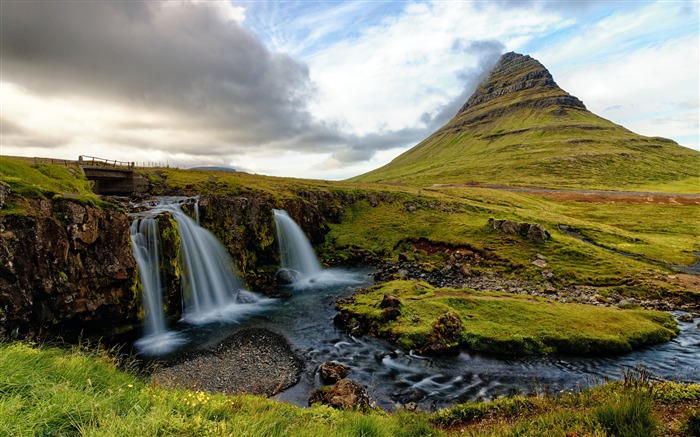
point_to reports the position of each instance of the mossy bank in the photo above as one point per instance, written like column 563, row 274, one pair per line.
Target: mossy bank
column 417, row 316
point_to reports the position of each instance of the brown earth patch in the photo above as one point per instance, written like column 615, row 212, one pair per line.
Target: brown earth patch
column 685, row 281
column 629, row 199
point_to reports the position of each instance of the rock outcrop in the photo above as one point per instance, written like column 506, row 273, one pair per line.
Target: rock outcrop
column 345, row 394
column 515, row 73
column 444, row 335
column 66, row 269
column 532, row 231
column 331, row 372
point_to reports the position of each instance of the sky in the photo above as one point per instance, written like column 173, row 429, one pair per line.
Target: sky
column 319, row 89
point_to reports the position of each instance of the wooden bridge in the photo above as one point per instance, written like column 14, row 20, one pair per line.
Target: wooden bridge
column 116, row 178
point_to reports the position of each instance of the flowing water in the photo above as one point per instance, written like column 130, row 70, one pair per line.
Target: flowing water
column 394, row 377
column 296, row 252
column 211, row 289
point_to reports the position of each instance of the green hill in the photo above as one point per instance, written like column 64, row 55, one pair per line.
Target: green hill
column 520, row 129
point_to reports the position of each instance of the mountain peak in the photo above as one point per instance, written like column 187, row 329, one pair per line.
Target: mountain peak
column 516, row 74
column 519, row 128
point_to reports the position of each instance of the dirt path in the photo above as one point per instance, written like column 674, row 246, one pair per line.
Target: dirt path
column 596, row 196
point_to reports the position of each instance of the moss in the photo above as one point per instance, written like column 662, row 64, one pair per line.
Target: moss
column 171, row 275
column 42, row 181
column 504, row 323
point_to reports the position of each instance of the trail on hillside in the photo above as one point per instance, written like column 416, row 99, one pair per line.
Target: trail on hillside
column 594, row 196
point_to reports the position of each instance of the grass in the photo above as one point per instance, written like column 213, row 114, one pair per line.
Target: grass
column 49, row 391
column 627, row 415
column 507, row 323
column 87, row 391
column 457, row 217
column 42, row 181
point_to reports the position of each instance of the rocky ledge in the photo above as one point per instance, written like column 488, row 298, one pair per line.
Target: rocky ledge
column 252, row 360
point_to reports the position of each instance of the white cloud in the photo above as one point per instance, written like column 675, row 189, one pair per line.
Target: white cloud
column 394, row 72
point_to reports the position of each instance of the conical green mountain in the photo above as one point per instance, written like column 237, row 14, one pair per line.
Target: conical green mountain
column 520, row 129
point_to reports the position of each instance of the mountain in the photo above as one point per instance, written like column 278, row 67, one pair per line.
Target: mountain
column 520, row 129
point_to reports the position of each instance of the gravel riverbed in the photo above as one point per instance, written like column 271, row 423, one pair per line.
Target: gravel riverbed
column 251, row 360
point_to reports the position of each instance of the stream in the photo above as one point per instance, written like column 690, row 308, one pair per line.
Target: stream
column 394, row 378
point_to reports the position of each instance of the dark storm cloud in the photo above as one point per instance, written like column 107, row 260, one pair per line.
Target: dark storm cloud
column 216, row 88
column 179, row 57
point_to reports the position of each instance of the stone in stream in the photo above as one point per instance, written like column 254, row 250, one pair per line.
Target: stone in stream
column 333, row 372
column 345, row 394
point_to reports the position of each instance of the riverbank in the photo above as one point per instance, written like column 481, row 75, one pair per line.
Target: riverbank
column 458, row 273
column 51, row 391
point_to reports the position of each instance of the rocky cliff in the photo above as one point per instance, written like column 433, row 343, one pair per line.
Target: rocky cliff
column 66, row 269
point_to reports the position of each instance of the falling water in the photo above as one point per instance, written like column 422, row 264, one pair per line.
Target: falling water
column 211, row 289
column 297, row 257
column 210, row 286
column 146, row 248
column 295, row 250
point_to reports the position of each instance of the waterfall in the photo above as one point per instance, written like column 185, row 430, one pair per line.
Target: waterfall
column 296, row 252
column 211, row 289
column 210, row 286
column 146, row 248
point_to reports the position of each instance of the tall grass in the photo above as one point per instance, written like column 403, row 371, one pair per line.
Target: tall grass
column 628, row 415
column 50, row 391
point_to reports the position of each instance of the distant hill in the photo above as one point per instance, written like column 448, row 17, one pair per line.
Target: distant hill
column 520, row 129
column 226, row 169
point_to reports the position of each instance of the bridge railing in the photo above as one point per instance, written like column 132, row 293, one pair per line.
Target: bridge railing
column 94, row 161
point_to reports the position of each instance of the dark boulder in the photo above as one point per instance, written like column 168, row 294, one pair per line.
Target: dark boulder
column 333, row 372
column 531, row 231
column 390, row 314
column 286, row 276
column 345, row 394
column 390, row 301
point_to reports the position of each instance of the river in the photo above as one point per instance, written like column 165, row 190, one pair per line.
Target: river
column 394, row 377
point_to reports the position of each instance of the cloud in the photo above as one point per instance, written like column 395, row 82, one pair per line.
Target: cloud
column 186, row 60
column 321, row 89
column 186, row 79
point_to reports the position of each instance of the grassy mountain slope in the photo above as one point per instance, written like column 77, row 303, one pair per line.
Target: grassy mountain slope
column 520, row 129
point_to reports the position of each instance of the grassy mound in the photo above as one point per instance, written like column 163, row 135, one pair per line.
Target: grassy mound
column 503, row 323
